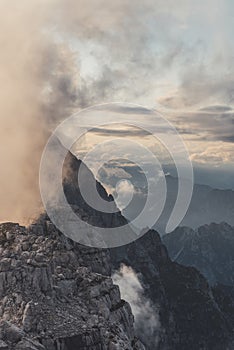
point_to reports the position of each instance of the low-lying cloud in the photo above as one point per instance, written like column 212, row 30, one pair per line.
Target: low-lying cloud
column 146, row 316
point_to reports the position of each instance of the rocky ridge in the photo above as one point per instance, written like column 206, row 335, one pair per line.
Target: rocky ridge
column 58, row 295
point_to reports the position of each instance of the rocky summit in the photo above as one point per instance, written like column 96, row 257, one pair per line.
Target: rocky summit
column 58, row 295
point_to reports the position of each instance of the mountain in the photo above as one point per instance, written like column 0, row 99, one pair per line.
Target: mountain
column 58, row 295
column 180, row 296
column 81, row 217
column 210, row 249
column 71, row 168
column 207, row 205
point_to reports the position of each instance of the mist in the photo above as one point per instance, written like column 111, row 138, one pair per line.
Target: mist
column 33, row 71
column 146, row 316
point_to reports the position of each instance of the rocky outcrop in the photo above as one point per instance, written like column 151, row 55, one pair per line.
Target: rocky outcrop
column 58, row 295
column 210, row 249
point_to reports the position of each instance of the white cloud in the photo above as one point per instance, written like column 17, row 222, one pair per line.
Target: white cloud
column 125, row 191
column 146, row 316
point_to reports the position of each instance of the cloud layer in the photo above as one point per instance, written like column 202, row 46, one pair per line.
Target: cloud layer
column 60, row 56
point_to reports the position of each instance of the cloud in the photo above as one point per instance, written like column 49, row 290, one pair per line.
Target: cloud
column 60, row 56
column 213, row 123
column 217, row 154
column 36, row 92
column 141, row 49
column 146, row 316
column 115, row 131
column 123, row 194
column 117, row 108
column 217, row 109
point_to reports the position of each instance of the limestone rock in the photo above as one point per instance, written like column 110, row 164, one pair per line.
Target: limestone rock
column 58, row 296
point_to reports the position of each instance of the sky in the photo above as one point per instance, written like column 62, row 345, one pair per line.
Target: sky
column 177, row 59
column 60, row 56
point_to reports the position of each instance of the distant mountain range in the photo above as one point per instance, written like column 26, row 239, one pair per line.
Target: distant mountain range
column 210, row 249
column 207, row 205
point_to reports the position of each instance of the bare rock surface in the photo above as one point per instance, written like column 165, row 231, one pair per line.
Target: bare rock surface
column 58, row 295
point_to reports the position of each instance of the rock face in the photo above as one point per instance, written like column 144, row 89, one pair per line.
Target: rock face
column 57, row 295
column 210, row 249
column 191, row 315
